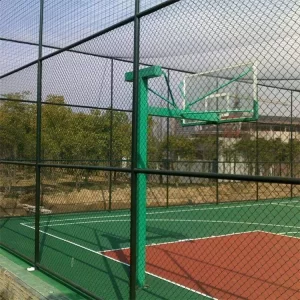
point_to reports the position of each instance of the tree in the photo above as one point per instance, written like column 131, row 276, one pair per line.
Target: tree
column 205, row 148
column 55, row 124
column 17, row 128
column 121, row 135
column 179, row 147
column 17, row 136
column 262, row 152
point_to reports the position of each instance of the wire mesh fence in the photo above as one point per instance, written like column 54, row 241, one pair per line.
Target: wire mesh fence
column 151, row 149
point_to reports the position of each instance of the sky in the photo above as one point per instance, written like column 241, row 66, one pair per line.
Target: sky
column 191, row 35
column 65, row 22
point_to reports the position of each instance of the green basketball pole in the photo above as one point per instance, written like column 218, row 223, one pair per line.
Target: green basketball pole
column 142, row 147
column 143, row 111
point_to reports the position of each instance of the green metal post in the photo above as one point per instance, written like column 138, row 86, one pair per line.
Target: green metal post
column 291, row 145
column 133, row 200
column 141, row 189
column 141, row 181
column 111, row 133
column 168, row 143
column 257, row 159
column 38, row 139
column 217, row 163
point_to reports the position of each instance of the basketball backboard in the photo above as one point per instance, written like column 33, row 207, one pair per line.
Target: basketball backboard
column 228, row 95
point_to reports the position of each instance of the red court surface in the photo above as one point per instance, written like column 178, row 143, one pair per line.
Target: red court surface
column 255, row 265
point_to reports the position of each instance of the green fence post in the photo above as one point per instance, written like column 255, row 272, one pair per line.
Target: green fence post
column 38, row 139
column 142, row 147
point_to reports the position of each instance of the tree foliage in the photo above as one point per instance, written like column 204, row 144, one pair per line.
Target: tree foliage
column 67, row 134
column 263, row 150
column 70, row 134
column 185, row 148
column 17, row 128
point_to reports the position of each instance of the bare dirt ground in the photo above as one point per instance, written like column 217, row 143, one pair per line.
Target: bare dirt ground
column 66, row 196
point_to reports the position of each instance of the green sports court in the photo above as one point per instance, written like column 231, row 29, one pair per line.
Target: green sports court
column 90, row 248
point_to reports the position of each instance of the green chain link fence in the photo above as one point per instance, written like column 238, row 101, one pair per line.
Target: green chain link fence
column 180, row 181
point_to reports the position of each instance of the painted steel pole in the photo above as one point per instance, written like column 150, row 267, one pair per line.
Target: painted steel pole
column 38, row 138
column 142, row 148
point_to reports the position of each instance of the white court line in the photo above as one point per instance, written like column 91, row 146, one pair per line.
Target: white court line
column 192, row 209
column 219, row 221
column 186, row 240
column 118, row 261
column 282, row 234
column 182, row 286
column 76, row 223
column 289, row 201
column 169, row 220
column 85, row 218
column 282, row 204
column 290, row 232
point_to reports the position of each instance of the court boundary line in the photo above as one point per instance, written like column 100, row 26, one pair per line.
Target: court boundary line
column 294, row 199
column 286, row 205
column 180, row 285
column 208, row 237
column 118, row 261
column 169, row 220
column 78, row 223
column 281, row 234
column 222, row 221
column 285, row 234
column 186, row 240
column 220, row 206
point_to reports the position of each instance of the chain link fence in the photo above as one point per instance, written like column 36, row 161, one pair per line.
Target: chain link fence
column 150, row 149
